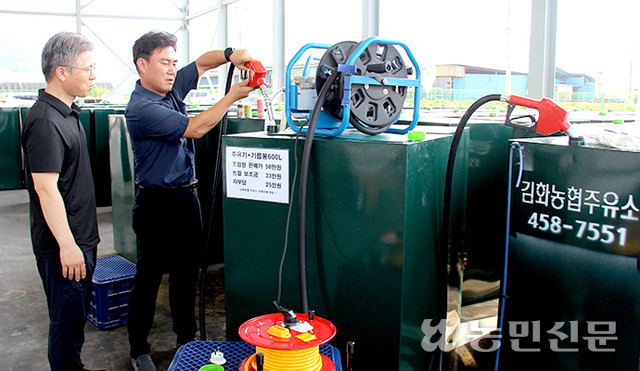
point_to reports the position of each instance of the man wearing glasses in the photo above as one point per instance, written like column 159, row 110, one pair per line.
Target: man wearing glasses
column 166, row 213
column 64, row 227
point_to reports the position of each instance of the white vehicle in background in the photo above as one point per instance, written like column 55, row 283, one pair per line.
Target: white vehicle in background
column 205, row 97
column 207, row 93
column 19, row 99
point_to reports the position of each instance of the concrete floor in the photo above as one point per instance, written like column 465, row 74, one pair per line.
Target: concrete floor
column 24, row 319
column 23, row 312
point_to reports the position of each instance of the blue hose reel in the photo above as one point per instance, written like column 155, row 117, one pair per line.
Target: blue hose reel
column 368, row 96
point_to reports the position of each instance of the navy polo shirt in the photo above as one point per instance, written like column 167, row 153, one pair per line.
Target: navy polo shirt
column 156, row 124
column 54, row 142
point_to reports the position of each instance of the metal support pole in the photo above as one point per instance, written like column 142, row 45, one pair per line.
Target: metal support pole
column 223, row 41
column 542, row 55
column 184, row 48
column 507, row 88
column 222, row 25
column 370, row 18
column 552, row 27
column 78, row 17
column 277, row 78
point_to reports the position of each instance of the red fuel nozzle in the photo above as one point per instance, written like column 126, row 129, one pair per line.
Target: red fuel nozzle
column 257, row 74
column 552, row 117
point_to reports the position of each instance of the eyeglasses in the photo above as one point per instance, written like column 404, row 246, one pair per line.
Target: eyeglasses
column 91, row 69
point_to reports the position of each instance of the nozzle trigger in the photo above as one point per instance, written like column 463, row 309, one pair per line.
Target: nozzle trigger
column 531, row 125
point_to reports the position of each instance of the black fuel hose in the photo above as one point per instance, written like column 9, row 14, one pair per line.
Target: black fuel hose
column 214, row 192
column 442, row 256
column 302, row 196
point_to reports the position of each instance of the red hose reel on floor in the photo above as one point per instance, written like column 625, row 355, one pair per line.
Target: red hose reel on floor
column 288, row 347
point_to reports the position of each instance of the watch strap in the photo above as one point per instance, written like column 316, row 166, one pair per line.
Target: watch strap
column 227, row 53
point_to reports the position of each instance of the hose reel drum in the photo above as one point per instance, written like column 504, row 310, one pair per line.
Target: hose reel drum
column 375, row 77
column 373, row 107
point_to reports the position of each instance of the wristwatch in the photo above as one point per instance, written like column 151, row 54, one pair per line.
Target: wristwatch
column 227, row 54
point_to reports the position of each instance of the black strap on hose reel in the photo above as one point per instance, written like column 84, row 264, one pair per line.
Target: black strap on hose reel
column 374, row 108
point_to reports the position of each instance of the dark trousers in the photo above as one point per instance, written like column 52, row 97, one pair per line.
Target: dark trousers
column 168, row 227
column 68, row 303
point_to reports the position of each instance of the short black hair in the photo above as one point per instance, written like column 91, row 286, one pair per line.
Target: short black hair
column 152, row 40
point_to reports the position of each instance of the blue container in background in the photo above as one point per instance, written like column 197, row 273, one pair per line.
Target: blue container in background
column 112, row 282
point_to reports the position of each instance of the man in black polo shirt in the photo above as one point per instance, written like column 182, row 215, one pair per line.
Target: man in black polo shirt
column 64, row 227
column 166, row 213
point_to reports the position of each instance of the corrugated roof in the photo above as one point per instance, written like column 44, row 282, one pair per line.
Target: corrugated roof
column 459, row 70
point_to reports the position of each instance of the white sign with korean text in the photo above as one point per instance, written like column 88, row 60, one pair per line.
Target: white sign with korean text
column 260, row 174
column 601, row 216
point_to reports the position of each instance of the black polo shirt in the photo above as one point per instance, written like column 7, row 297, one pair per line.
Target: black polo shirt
column 54, row 142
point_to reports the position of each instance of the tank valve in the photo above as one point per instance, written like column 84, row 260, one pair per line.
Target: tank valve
column 290, row 319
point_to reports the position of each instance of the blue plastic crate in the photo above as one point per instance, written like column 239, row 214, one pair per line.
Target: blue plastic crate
column 196, row 354
column 112, row 281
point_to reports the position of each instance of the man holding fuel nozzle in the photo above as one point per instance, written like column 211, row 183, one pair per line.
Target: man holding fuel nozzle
column 166, row 213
